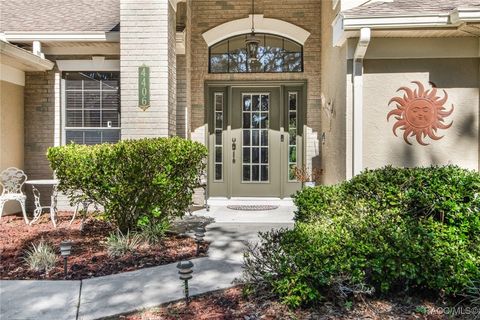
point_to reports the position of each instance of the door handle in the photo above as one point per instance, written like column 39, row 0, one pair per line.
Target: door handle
column 282, row 137
column 234, row 147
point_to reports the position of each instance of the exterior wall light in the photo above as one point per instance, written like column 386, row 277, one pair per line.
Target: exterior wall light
column 185, row 273
column 199, row 235
column 252, row 42
column 65, row 250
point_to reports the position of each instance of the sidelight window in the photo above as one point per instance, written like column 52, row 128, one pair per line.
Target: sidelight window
column 218, row 163
column 292, row 133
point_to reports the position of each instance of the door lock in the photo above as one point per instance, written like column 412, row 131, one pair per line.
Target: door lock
column 234, row 147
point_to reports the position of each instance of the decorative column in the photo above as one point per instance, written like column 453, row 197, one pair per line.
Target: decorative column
column 147, row 38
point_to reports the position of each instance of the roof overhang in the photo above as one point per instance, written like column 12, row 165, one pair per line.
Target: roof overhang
column 100, row 36
column 345, row 26
column 21, row 59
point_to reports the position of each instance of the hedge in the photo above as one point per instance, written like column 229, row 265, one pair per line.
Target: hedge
column 385, row 231
column 138, row 182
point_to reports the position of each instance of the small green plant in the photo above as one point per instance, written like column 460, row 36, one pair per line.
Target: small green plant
column 41, row 257
column 348, row 304
column 472, row 293
column 119, row 244
column 421, row 310
column 154, row 233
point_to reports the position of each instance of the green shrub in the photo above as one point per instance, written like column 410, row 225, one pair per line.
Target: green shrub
column 119, row 244
column 138, row 182
column 386, row 230
column 41, row 257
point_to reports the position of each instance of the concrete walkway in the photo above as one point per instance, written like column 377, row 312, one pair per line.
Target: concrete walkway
column 115, row 294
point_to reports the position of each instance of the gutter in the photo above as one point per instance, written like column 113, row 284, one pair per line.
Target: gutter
column 100, row 36
column 357, row 132
column 23, row 59
column 346, row 26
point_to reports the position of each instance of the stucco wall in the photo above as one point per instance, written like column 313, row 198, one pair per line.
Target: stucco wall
column 334, row 111
column 460, row 144
column 11, row 132
column 206, row 14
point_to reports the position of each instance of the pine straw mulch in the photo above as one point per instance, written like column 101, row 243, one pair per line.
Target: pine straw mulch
column 89, row 257
column 231, row 304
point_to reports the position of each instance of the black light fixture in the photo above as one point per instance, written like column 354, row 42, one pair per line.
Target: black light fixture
column 185, row 273
column 252, row 42
column 65, row 250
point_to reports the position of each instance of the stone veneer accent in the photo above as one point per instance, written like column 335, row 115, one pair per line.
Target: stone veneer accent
column 206, row 14
column 148, row 37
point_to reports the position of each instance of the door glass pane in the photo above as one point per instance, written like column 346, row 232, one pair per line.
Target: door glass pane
column 218, row 139
column 264, row 173
column 255, row 103
column 255, row 155
column 247, row 102
column 246, row 155
column 255, row 137
column 255, row 160
column 246, row 172
column 292, row 132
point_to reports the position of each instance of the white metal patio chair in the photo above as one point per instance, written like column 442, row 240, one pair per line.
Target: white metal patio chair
column 12, row 180
column 39, row 208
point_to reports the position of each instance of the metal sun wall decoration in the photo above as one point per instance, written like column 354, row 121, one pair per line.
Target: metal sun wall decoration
column 420, row 113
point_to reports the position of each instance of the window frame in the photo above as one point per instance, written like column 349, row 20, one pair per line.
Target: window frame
column 63, row 107
column 227, row 40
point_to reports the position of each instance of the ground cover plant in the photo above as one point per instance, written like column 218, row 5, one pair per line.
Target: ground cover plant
column 384, row 232
column 139, row 183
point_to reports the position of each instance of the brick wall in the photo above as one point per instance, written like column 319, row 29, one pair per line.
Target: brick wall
column 146, row 37
column 41, row 92
column 206, row 14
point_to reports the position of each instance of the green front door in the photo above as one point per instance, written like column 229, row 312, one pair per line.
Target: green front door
column 254, row 140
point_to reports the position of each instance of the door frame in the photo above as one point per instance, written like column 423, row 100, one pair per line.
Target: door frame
column 227, row 88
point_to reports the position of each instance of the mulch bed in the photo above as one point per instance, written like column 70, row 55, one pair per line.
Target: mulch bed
column 89, row 256
column 231, row 304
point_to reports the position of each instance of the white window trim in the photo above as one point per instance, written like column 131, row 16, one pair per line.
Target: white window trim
column 95, row 64
column 63, row 110
column 262, row 25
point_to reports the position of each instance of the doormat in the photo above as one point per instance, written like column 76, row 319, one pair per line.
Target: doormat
column 243, row 207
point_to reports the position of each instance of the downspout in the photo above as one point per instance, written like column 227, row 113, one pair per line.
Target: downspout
column 358, row 56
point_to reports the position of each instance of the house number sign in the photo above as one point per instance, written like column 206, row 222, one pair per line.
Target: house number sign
column 143, row 87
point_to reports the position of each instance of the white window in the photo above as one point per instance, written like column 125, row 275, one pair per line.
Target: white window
column 91, row 106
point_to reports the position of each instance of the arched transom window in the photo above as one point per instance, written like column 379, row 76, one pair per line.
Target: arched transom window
column 275, row 54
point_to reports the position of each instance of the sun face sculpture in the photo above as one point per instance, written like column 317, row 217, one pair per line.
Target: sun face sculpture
column 420, row 113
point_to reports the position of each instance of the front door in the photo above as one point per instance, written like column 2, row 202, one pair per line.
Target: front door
column 255, row 137
column 254, row 140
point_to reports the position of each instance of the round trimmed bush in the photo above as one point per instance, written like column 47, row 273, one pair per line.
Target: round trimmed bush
column 138, row 182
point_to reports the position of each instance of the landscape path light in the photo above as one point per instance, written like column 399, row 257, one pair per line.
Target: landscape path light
column 185, row 271
column 65, row 250
column 199, row 235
